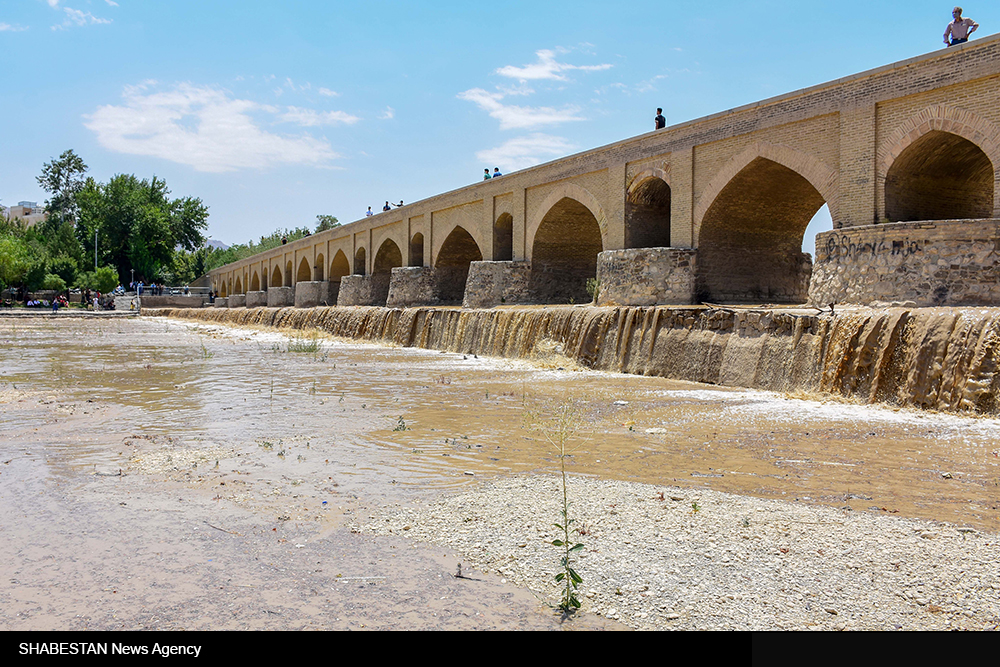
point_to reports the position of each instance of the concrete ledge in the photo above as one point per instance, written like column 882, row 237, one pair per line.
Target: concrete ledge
column 237, row 300
column 494, row 283
column 933, row 263
column 221, row 302
column 256, row 299
column 646, row 277
column 278, row 297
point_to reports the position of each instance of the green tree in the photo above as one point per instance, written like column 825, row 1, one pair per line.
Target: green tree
column 63, row 179
column 325, row 222
column 137, row 225
column 16, row 261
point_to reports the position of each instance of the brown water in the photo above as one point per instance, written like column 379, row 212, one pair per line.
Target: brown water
column 388, row 422
column 304, row 432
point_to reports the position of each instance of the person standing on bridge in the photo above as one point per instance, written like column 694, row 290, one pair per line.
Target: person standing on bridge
column 660, row 122
column 958, row 31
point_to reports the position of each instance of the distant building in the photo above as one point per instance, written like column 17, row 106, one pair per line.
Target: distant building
column 28, row 211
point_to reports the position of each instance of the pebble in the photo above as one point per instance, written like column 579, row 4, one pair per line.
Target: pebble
column 739, row 562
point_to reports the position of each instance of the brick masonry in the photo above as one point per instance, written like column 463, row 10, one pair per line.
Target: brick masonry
column 739, row 187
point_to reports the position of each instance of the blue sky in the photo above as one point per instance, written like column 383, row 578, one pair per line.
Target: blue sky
column 273, row 113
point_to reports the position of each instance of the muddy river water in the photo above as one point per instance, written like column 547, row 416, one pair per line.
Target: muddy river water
column 165, row 474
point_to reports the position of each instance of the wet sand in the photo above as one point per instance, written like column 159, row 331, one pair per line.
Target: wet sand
column 164, row 475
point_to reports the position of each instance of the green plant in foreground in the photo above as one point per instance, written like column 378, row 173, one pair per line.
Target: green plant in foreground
column 401, row 425
column 594, row 288
column 558, row 430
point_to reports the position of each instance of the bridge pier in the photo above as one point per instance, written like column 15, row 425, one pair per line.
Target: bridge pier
column 278, row 297
column 935, row 263
column 494, row 283
column 646, row 277
column 256, row 299
column 412, row 286
column 363, row 290
column 237, row 300
column 311, row 294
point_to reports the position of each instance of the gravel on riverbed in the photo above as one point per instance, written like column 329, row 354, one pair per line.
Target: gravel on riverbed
column 657, row 557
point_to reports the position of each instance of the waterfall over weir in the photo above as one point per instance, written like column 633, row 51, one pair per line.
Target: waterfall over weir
column 934, row 358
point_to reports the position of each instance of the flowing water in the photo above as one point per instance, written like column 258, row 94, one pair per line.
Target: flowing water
column 333, row 419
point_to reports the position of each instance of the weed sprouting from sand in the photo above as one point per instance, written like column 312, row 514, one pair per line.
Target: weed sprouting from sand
column 306, row 342
column 559, row 427
column 206, row 353
column 401, row 425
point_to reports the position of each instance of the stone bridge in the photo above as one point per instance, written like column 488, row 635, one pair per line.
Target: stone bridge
column 713, row 210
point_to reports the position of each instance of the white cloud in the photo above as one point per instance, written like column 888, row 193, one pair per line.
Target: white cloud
column 111, row 2
column 76, row 17
column 518, row 117
column 526, row 151
column 546, row 68
column 200, row 126
column 312, row 118
column 388, row 114
column 326, row 92
column 6, row 27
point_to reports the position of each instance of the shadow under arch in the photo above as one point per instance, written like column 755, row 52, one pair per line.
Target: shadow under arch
column 647, row 210
column 304, row 274
column 750, row 237
column 564, row 253
column 503, row 238
column 387, row 258
column 454, row 258
column 339, row 268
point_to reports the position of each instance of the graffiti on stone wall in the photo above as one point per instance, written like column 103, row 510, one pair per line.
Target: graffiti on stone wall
column 844, row 248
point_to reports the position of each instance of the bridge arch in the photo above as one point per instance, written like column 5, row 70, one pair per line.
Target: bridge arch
column 360, row 259
column 387, row 258
column 239, row 286
column 417, row 250
column 255, row 281
column 503, row 238
column 304, row 274
column 276, row 277
column 339, row 268
column 454, row 258
column 288, row 274
column 647, row 210
column 320, row 266
column 567, row 233
column 941, row 164
column 751, row 221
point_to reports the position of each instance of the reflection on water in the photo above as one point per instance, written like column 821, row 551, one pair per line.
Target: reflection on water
column 382, row 422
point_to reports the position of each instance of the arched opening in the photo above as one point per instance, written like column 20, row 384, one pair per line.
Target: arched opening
column 417, row 250
column 318, row 277
column 359, row 262
column 457, row 253
column 224, row 291
column 750, row 243
column 647, row 215
column 255, row 282
column 239, row 286
column 304, row 274
column 821, row 222
column 288, row 274
column 338, row 269
column 387, row 258
column 503, row 238
column 564, row 253
column 276, row 277
column 940, row 176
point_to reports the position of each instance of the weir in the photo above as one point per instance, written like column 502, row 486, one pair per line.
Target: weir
column 931, row 358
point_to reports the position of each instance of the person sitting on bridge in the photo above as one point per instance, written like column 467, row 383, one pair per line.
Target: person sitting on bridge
column 496, row 172
column 486, row 174
column 387, row 207
column 958, row 31
column 660, row 122
column 369, row 213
